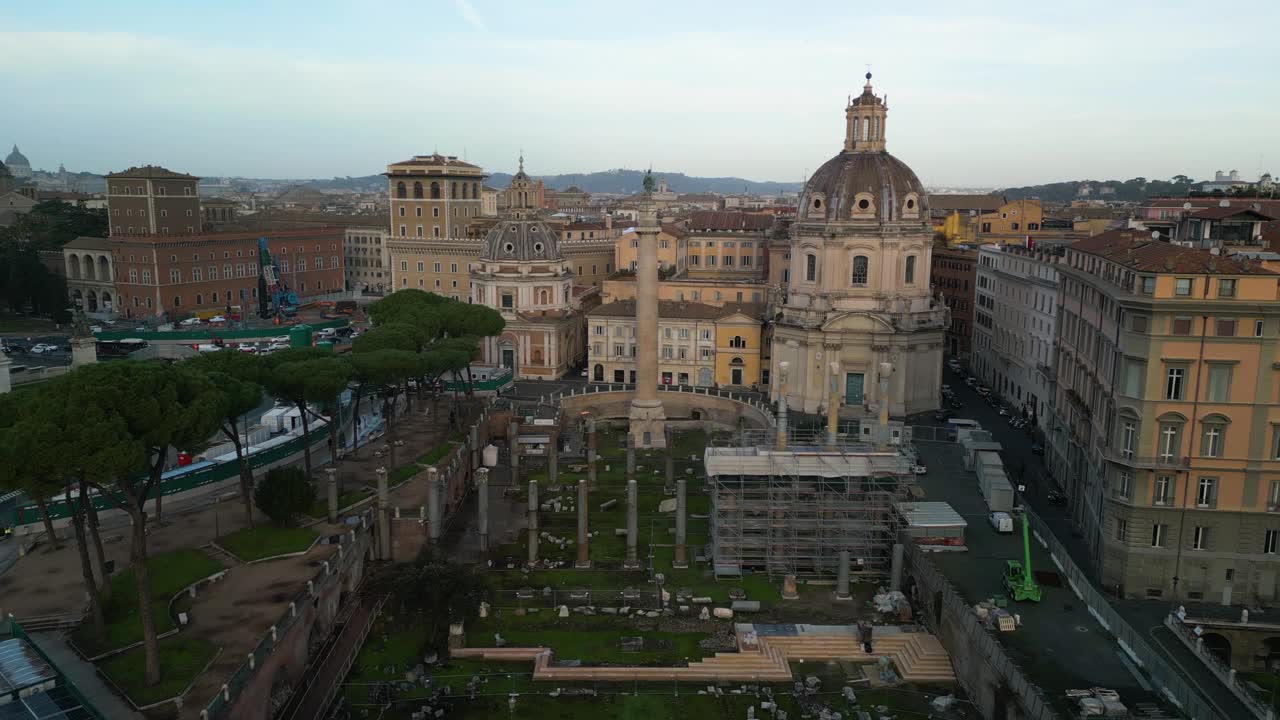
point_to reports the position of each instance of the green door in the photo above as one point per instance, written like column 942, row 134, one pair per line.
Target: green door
column 853, row 388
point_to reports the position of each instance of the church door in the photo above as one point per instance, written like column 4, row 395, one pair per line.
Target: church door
column 853, row 388
column 508, row 358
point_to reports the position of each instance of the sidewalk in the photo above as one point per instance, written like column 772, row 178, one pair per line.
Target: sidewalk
column 84, row 676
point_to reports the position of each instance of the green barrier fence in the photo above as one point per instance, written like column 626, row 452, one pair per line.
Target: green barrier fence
column 206, row 335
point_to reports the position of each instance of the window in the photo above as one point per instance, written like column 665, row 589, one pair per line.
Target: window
column 404, row 266
column 1124, row 484
column 1128, row 434
column 1122, row 529
column 1175, row 378
column 453, row 267
column 1181, row 326
column 598, row 330
column 1225, row 327
column 910, row 275
column 1170, row 444
column 1275, row 443
column 1219, row 382
column 195, row 274
column 1182, row 286
column 508, row 301
column 1159, row 534
column 1257, row 328
column 1226, row 288
column 421, row 266
column 1139, row 323
column 810, row 267
column 860, row 266
column 175, row 275
column 619, row 350
column 1212, row 439
column 666, row 352
column 1200, row 538
column 1135, row 371
column 1148, row 286
column 1163, row 494
column 1269, row 539
column 1207, row 492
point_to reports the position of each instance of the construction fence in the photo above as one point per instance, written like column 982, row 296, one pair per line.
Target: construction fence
column 990, row 678
column 1157, row 669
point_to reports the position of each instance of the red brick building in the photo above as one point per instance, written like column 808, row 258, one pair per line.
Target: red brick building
column 176, row 275
column 954, row 276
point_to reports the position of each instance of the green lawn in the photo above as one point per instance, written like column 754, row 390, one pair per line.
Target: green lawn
column 19, row 324
column 1270, row 685
column 592, row 639
column 181, row 660
column 320, row 508
column 267, row 541
column 436, row 454
column 399, row 475
column 170, row 573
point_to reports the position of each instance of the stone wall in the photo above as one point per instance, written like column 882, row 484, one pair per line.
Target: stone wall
column 679, row 406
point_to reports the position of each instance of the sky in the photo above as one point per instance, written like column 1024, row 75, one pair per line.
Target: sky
column 988, row 95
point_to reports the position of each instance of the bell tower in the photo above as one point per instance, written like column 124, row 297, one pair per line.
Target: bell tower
column 865, row 121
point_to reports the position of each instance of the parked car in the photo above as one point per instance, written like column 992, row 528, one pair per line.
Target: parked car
column 190, row 322
column 280, row 340
column 217, row 319
column 42, row 348
column 919, row 469
column 1001, row 522
column 95, row 328
column 1002, row 411
column 971, row 381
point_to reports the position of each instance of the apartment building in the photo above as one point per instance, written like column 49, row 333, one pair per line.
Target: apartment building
column 152, row 200
column 1166, row 425
column 368, row 260
column 435, row 196
column 1015, row 323
column 673, row 248
column 954, row 277
column 698, row 344
column 167, row 277
column 728, row 244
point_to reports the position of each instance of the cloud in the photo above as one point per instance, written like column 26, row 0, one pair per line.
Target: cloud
column 468, row 12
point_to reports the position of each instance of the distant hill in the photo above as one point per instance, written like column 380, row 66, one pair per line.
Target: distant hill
column 1134, row 190
column 608, row 181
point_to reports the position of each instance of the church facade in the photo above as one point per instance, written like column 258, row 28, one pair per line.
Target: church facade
column 858, row 292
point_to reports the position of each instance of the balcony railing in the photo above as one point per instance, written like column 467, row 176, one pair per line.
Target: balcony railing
column 1147, row 461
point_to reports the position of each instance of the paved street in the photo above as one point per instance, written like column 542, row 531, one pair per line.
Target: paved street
column 1142, row 616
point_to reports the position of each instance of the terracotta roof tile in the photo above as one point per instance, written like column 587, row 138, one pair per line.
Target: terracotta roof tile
column 151, row 171
column 726, row 220
column 1138, row 251
column 681, row 310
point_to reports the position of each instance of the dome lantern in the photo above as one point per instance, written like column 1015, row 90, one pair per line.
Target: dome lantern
column 865, row 121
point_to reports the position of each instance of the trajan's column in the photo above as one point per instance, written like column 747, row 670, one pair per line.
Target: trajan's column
column 648, row 421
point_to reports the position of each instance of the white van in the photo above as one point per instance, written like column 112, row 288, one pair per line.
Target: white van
column 1002, row 522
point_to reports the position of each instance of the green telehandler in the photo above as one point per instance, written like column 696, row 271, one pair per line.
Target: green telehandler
column 1018, row 581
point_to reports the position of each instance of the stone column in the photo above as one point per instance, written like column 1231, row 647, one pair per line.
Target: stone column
column 833, row 405
column 895, row 568
column 842, row 576
column 331, row 483
column 384, row 516
column 475, row 447
column 5, row 383
column 631, row 458
column 584, row 535
column 482, row 505
column 682, row 508
column 780, row 441
column 591, row 452
column 433, row 506
column 669, row 486
column 553, row 459
column 633, row 520
column 84, row 351
column 647, row 416
column 886, row 369
column 533, row 521
column 513, row 438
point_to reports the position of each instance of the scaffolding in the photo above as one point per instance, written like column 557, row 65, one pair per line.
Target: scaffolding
column 792, row 510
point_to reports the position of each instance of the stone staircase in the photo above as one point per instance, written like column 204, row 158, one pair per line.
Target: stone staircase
column 919, row 657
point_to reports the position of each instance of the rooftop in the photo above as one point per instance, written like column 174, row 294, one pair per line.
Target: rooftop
column 675, row 310
column 958, row 201
column 153, row 172
column 713, row 220
column 1138, row 251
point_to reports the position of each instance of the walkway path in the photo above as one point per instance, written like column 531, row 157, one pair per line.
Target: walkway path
column 82, row 674
column 326, row 679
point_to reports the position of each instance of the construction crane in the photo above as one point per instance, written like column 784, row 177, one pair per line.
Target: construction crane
column 1018, row 580
column 275, row 299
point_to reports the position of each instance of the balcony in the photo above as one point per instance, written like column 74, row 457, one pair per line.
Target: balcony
column 1079, row 402
column 1147, row 461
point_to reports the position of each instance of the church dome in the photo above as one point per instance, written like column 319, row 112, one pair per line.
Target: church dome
column 865, row 186
column 863, row 181
column 17, row 158
column 520, row 241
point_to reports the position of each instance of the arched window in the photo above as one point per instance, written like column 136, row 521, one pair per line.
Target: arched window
column 475, row 191
column 1213, row 435
column 875, row 130
column 910, row 276
column 811, row 267
column 453, row 190
column 866, row 129
column 199, row 299
column 400, row 190
column 435, row 191
column 860, row 266
column 417, row 190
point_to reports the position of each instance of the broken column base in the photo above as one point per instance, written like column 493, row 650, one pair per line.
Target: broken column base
column 680, row 562
column 582, row 564
column 789, row 590
column 846, row 597
column 632, row 565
